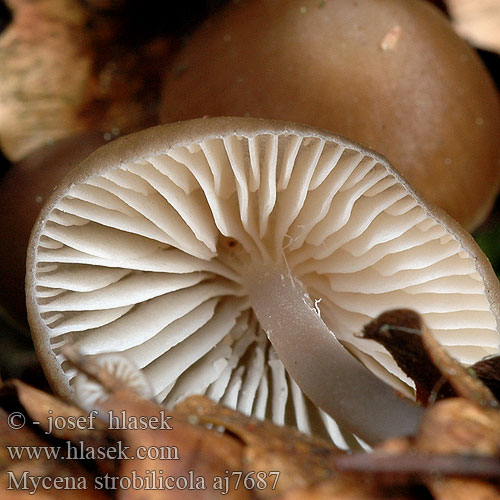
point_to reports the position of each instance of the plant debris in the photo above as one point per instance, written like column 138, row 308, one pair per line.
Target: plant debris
column 477, row 21
column 300, row 459
column 399, row 332
column 391, row 38
column 66, row 69
column 435, row 373
column 201, row 449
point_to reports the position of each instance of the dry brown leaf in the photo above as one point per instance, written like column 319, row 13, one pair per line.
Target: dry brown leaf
column 463, row 489
column 399, row 331
column 436, row 374
column 15, row 437
column 457, row 438
column 47, row 409
column 45, row 69
column 413, row 467
column 459, row 426
column 301, row 460
column 464, row 384
column 488, row 371
column 59, row 420
column 309, row 469
column 43, row 476
column 202, row 454
column 54, row 480
column 66, row 68
column 349, row 488
column 477, row 21
column 144, row 457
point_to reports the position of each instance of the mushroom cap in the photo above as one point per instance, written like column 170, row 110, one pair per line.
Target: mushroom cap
column 89, row 393
column 139, row 249
column 23, row 190
column 390, row 74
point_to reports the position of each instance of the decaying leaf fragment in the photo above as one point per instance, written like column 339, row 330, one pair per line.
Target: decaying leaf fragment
column 399, row 331
column 19, row 402
column 41, row 407
column 352, row 488
column 65, row 69
column 188, row 451
column 411, row 466
column 301, row 460
column 488, row 371
column 45, row 70
column 463, row 382
column 454, row 455
column 460, row 426
column 463, row 489
column 456, row 451
column 435, row 373
column 477, row 21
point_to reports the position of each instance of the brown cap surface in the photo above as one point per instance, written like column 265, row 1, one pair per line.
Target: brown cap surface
column 390, row 74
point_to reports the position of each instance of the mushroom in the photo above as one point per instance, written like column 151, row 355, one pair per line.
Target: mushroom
column 239, row 258
column 23, row 189
column 392, row 75
column 89, row 394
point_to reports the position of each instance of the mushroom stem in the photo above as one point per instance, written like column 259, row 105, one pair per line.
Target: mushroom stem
column 327, row 373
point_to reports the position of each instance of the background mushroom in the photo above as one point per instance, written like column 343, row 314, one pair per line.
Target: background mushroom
column 179, row 245
column 23, row 190
column 89, row 393
column 392, row 75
